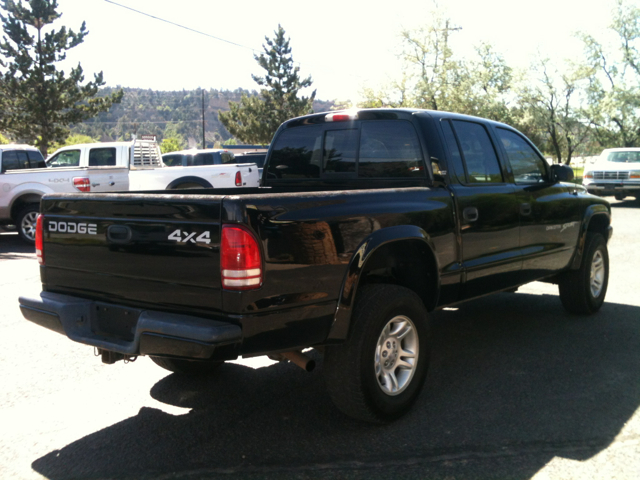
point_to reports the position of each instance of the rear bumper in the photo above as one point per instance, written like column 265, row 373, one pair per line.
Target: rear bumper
column 130, row 331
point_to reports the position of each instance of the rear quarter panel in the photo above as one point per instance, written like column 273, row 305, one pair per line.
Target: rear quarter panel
column 308, row 241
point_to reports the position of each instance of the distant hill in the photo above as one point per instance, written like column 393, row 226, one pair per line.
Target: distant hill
column 150, row 112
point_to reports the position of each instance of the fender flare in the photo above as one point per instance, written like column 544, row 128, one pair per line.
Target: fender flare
column 189, row 179
column 598, row 211
column 26, row 190
column 341, row 324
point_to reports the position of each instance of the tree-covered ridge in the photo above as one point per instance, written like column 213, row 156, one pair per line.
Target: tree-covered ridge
column 168, row 115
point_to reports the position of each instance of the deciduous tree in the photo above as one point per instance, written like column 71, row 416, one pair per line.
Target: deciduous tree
column 614, row 87
column 550, row 109
column 436, row 78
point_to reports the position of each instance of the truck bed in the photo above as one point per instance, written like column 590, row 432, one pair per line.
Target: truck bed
column 161, row 251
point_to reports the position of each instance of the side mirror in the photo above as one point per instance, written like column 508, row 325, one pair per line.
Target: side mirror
column 562, row 173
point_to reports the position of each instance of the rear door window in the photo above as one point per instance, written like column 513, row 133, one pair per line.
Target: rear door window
column 389, row 149
column 102, row 157
column 36, row 160
column 10, row 160
column 478, row 154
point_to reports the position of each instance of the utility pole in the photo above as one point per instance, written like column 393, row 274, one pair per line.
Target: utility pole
column 203, row 145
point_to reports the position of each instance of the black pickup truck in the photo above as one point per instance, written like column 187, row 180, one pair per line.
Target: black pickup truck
column 366, row 220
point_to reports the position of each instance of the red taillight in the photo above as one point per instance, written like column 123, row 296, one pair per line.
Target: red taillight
column 238, row 179
column 240, row 260
column 82, row 184
column 39, row 239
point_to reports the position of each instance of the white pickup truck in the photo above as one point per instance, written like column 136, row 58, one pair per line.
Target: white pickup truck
column 616, row 172
column 105, row 167
column 22, row 185
column 147, row 170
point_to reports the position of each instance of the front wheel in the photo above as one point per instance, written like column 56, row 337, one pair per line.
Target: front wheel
column 582, row 291
column 377, row 375
column 187, row 367
column 26, row 223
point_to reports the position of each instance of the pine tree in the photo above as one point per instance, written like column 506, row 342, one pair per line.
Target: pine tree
column 256, row 119
column 42, row 101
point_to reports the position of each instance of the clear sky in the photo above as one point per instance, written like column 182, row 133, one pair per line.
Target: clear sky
column 343, row 44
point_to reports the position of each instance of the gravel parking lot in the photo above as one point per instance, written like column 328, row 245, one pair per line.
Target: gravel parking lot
column 517, row 389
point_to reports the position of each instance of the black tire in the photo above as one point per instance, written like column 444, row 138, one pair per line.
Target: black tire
column 355, row 371
column 26, row 223
column 582, row 291
column 187, row 367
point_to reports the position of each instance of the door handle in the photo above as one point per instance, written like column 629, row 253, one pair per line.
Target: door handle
column 119, row 234
column 525, row 209
column 470, row 214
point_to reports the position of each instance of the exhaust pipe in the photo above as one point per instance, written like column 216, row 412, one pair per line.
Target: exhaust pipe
column 300, row 359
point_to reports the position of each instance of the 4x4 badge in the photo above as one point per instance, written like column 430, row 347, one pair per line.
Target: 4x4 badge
column 188, row 237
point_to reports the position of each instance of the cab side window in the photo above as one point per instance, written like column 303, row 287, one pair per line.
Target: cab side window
column 172, row 160
column 478, row 154
column 340, row 151
column 203, row 159
column 297, row 153
column 528, row 167
column 226, row 157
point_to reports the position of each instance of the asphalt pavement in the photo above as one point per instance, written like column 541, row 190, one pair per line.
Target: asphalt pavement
column 517, row 389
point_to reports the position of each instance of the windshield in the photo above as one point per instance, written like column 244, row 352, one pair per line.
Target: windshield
column 624, row 157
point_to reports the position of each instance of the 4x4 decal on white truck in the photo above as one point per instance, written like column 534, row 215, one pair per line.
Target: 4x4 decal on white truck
column 187, row 237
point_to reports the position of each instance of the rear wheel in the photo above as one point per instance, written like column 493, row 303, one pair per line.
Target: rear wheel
column 184, row 186
column 187, row 367
column 26, row 223
column 582, row 291
column 378, row 373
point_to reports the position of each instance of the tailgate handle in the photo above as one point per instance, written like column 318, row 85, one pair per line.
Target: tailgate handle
column 119, row 234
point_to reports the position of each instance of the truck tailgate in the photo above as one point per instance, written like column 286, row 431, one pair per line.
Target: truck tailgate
column 139, row 250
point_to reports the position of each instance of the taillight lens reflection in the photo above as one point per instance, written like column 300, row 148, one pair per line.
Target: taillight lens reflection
column 82, row 184
column 240, row 259
column 39, row 239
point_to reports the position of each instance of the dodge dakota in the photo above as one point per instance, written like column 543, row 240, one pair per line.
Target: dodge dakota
column 366, row 221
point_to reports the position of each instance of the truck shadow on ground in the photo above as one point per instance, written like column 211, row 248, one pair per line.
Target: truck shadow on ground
column 11, row 247
column 514, row 382
column 629, row 203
